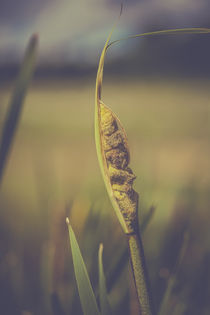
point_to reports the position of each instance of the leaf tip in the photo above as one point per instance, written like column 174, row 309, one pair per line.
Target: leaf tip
column 121, row 8
column 101, row 248
column 67, row 221
column 33, row 41
column 34, row 37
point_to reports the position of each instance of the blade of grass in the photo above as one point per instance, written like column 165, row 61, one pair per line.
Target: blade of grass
column 16, row 102
column 87, row 297
column 57, row 308
column 147, row 218
column 187, row 30
column 104, row 303
column 117, row 268
column 173, row 278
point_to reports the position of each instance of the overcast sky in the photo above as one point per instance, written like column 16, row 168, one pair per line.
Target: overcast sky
column 75, row 30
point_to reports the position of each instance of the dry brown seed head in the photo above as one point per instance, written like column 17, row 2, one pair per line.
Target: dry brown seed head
column 120, row 176
column 128, row 203
column 108, row 122
column 118, row 158
column 114, row 141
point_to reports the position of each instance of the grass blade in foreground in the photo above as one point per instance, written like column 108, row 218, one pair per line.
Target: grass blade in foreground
column 104, row 303
column 16, row 102
column 87, row 297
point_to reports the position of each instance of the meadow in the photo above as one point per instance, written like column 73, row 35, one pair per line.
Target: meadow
column 53, row 172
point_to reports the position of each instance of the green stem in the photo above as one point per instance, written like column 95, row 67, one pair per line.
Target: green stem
column 140, row 274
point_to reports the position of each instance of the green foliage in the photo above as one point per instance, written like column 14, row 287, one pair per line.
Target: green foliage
column 87, row 297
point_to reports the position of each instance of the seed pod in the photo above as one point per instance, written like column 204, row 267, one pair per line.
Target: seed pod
column 128, row 202
column 121, row 176
column 108, row 122
column 114, row 157
column 119, row 158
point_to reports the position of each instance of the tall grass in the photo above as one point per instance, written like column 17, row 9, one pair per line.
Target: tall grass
column 16, row 102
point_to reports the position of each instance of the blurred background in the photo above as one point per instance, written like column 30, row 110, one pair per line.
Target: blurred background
column 159, row 88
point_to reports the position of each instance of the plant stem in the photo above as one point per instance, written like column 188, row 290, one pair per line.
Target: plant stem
column 140, row 274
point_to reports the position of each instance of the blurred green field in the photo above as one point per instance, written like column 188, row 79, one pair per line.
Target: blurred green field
column 53, row 165
column 168, row 127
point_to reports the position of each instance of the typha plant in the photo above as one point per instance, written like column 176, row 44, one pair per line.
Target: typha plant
column 114, row 158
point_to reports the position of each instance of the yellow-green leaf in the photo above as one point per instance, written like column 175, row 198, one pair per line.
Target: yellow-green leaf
column 87, row 297
column 104, row 303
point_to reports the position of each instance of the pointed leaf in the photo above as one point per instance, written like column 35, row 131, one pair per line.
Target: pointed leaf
column 87, row 297
column 104, row 303
column 16, row 102
column 147, row 218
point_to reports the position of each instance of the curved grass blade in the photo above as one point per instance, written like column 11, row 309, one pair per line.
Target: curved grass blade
column 87, row 297
column 16, row 102
column 187, row 30
column 147, row 218
column 104, row 303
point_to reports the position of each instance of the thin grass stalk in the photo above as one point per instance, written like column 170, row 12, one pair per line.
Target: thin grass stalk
column 122, row 259
column 140, row 275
